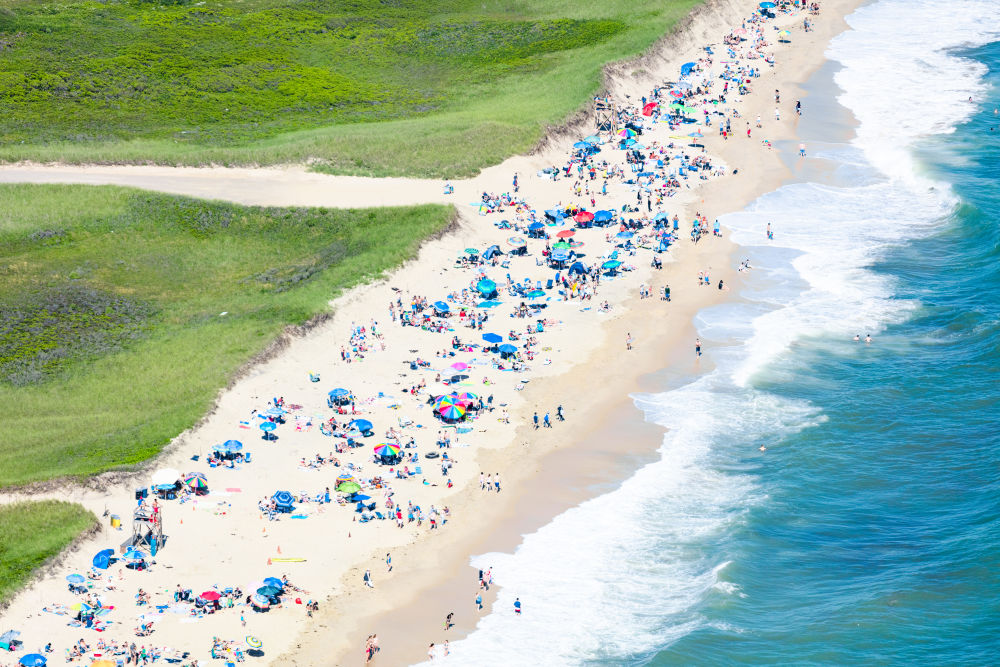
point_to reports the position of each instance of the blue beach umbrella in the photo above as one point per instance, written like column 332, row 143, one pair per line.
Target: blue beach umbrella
column 339, row 393
column 268, row 591
column 535, row 226
column 611, row 264
column 488, row 304
column 134, row 555
column 76, row 579
column 274, row 581
column 274, row 412
column 581, row 145
column 486, row 287
column 267, row 427
column 507, row 348
column 603, row 216
column 261, row 600
column 593, row 139
column 492, row 338
column 33, row 660
column 229, row 446
column 624, row 235
column 283, row 498
column 686, row 68
column 441, row 307
column 767, row 5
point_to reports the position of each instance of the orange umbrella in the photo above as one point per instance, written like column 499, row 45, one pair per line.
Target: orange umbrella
column 565, row 234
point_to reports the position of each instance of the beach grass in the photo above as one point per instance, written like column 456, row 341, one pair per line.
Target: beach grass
column 33, row 532
column 124, row 312
column 370, row 87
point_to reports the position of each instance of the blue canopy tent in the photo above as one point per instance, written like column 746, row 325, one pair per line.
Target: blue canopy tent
column 487, row 288
column 363, row 426
column 553, row 214
column 577, row 268
column 283, row 501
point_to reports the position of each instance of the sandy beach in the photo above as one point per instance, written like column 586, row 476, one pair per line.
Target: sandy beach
column 580, row 361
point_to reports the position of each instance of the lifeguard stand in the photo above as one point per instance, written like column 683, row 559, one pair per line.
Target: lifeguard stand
column 605, row 115
column 147, row 530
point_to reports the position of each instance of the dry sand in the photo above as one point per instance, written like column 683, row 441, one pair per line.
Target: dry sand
column 221, row 539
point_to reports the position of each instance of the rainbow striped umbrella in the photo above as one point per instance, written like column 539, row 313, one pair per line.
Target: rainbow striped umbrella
column 196, row 480
column 627, row 132
column 465, row 397
column 345, row 477
column 450, row 407
column 387, row 450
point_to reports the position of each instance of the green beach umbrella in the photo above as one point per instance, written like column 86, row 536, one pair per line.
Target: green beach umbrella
column 348, row 487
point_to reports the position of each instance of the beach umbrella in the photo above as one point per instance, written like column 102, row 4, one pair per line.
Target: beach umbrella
column 687, row 68
column 784, row 34
column 535, row 293
column 76, row 579
column 767, row 5
column 611, row 264
column 603, row 216
column 460, row 365
column 345, row 477
column 507, row 348
column 80, row 606
column 268, row 591
column 441, row 306
column 267, row 427
column 676, row 93
column 648, row 109
column 386, row 449
column 283, row 498
column 102, row 559
column 626, row 132
column 453, row 411
column 229, row 446
column 134, row 555
column 516, row 241
column 339, row 393
column 253, row 642
column 211, row 596
column 492, row 338
column 566, row 233
column 360, row 497
column 348, row 487
column 535, row 226
column 593, row 139
column 581, row 145
column 362, row 425
column 261, row 601
column 165, row 477
column 274, row 581
column 275, row 411
column 471, row 251
column 624, row 235
column 584, row 216
column 101, row 662
column 486, row 287
column 33, row 660
column 196, row 480
column 561, row 245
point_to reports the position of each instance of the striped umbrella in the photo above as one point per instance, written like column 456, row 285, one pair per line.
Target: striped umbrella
column 451, row 410
column 196, row 480
column 465, row 397
column 386, row 449
column 345, row 477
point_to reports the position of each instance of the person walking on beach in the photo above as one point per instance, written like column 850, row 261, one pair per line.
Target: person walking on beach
column 479, row 601
column 546, row 421
column 368, row 579
column 448, row 622
column 536, row 421
column 517, row 606
column 697, row 346
column 559, row 414
column 496, row 482
column 770, row 234
column 628, row 341
column 388, row 562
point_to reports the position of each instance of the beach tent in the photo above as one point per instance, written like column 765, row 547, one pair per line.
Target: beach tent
column 687, row 68
column 491, row 252
column 102, row 559
column 363, row 426
column 577, row 268
column 554, row 214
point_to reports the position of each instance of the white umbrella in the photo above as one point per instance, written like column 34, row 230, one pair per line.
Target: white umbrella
column 165, row 476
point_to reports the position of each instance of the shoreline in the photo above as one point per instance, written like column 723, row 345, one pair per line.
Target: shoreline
column 425, row 605
column 538, row 471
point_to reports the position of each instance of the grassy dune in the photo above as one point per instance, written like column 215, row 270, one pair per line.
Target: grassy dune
column 374, row 87
column 33, row 532
column 112, row 333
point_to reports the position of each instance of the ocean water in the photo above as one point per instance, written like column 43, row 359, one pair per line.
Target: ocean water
column 868, row 532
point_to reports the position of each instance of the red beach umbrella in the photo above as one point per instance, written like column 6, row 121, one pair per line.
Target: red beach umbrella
column 566, row 233
column 583, row 216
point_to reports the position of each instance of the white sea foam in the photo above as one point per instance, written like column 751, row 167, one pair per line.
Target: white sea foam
column 622, row 575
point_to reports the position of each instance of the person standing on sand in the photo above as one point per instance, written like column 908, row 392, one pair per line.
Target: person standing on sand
column 517, row 606
column 536, row 421
column 697, row 346
column 559, row 414
column 628, row 341
column 546, row 421
column 430, row 651
column 479, row 601
column 496, row 480
column 448, row 623
column 388, row 562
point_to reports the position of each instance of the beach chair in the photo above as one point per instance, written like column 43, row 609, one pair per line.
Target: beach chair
column 378, row 515
column 549, row 284
column 418, row 470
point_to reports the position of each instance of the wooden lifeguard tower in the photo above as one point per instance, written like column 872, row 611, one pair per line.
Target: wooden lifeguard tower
column 605, row 115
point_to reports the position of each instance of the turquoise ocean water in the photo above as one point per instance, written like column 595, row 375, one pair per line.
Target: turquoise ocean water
column 868, row 532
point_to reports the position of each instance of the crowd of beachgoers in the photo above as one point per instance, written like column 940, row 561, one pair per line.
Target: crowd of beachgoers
column 381, row 436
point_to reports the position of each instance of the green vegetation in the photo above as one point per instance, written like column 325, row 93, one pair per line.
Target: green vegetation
column 364, row 86
column 33, row 532
column 122, row 312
